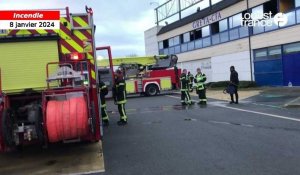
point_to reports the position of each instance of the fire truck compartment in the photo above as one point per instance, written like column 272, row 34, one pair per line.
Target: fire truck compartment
column 23, row 64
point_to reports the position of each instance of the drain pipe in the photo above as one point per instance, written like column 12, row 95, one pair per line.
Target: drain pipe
column 249, row 42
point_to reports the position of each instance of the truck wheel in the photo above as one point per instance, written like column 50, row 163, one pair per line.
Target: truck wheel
column 152, row 90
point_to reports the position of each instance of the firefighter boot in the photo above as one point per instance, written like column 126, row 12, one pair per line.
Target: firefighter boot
column 122, row 122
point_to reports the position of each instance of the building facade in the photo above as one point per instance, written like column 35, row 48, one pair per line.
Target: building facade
column 219, row 36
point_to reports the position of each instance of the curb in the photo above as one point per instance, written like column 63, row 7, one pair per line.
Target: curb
column 293, row 104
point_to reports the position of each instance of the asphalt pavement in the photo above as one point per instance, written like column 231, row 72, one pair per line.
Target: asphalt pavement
column 163, row 137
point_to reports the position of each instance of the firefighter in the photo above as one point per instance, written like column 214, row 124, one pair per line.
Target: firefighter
column 103, row 92
column 191, row 80
column 120, row 96
column 200, row 78
column 184, row 82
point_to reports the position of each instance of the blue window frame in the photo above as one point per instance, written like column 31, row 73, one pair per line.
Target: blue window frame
column 166, row 51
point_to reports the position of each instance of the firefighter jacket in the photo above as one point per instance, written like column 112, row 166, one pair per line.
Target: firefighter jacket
column 199, row 80
column 184, row 82
column 120, row 91
column 191, row 78
column 103, row 92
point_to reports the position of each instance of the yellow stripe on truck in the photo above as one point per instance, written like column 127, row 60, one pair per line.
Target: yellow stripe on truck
column 80, row 21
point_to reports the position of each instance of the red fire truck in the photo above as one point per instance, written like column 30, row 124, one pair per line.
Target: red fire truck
column 48, row 84
column 145, row 75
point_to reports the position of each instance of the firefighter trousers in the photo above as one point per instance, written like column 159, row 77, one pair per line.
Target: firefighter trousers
column 202, row 96
column 122, row 112
column 185, row 97
column 104, row 113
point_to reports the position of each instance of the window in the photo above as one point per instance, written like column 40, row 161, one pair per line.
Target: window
column 192, row 36
column 258, row 29
column 160, row 45
column 166, row 43
column 291, row 18
column 206, row 42
column 274, row 52
column 177, row 49
column 223, row 25
column 171, row 42
column 273, row 27
column 291, row 48
column 216, row 39
column 204, row 4
column 166, row 51
column 286, row 5
column 205, row 31
column 215, row 28
column 171, row 50
column 297, row 3
column 213, row 2
column 198, row 34
column 191, row 46
column 186, row 37
column 198, row 44
column 184, row 47
column 243, row 31
column 235, row 20
column 271, row 6
column 260, row 54
column 234, row 34
column 224, row 36
column 258, row 12
column 176, row 40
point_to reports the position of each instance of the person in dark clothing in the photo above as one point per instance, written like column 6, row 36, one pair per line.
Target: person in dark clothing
column 103, row 92
column 200, row 79
column 234, row 82
column 119, row 93
column 191, row 78
column 184, row 84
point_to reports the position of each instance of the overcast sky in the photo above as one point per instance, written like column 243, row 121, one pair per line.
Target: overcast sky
column 120, row 23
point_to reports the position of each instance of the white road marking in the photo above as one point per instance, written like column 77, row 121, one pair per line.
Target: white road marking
column 249, row 111
column 226, row 123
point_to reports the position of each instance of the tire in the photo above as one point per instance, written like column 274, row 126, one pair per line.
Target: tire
column 152, row 90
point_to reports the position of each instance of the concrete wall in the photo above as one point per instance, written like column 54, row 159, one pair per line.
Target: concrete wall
column 204, row 64
column 151, row 44
column 277, row 37
column 221, row 64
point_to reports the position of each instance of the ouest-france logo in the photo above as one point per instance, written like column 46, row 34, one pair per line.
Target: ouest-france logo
column 264, row 19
